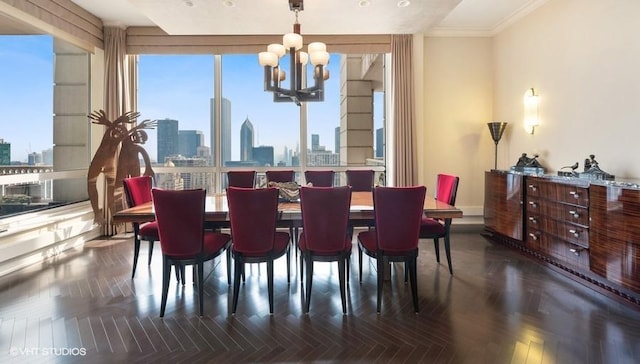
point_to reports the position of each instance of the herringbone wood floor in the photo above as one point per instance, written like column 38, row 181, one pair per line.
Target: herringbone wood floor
column 498, row 307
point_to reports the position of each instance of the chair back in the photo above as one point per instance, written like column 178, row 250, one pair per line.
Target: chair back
column 447, row 188
column 137, row 190
column 244, row 179
column 325, row 217
column 398, row 214
column 360, row 180
column 280, row 176
column 180, row 218
column 253, row 214
column 319, row 178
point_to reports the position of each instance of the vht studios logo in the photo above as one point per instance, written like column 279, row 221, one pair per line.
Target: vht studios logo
column 47, row 351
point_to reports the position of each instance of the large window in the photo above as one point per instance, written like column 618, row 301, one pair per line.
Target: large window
column 26, row 136
column 243, row 128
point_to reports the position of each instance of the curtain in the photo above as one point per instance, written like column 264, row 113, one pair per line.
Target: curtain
column 405, row 165
column 120, row 96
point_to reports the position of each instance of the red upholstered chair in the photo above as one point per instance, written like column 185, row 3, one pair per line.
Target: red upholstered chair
column 324, row 238
column 360, row 180
column 280, row 176
column 398, row 212
column 319, row 178
column 446, row 191
column 180, row 217
column 138, row 191
column 284, row 176
column 245, row 179
column 253, row 214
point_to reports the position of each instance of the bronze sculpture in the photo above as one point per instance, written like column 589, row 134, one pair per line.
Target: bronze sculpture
column 105, row 159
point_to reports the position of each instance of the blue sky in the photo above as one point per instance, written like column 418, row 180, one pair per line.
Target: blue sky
column 174, row 87
column 26, row 94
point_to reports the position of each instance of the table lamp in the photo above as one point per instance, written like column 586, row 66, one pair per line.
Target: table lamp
column 497, row 129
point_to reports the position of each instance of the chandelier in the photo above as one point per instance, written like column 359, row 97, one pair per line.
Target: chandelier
column 292, row 43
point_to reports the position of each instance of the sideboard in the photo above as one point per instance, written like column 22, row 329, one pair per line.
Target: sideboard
column 587, row 228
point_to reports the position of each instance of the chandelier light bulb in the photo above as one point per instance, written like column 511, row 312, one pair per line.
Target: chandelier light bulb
column 317, row 47
column 292, row 40
column 277, row 49
column 319, row 58
column 304, row 58
column 268, row 59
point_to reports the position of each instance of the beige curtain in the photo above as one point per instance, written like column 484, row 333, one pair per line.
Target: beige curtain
column 403, row 110
column 118, row 74
column 120, row 96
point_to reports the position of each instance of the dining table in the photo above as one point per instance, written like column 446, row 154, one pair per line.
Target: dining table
column 217, row 210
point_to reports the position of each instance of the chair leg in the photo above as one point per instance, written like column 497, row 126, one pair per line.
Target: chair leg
column 412, row 263
column 436, row 246
column 200, row 267
column 288, row 266
column 238, row 271
column 270, row 284
column 150, row 251
column 301, row 267
column 341, row 277
column 406, row 272
column 360, row 263
column 136, row 252
column 309, row 281
column 166, row 275
column 347, row 268
column 447, row 249
column 380, row 261
column 229, row 266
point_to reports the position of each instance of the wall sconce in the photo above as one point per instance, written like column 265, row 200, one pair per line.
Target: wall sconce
column 531, row 103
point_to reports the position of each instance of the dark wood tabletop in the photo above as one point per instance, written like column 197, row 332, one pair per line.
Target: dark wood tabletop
column 216, row 209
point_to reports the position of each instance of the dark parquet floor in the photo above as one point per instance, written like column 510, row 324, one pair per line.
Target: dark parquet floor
column 500, row 306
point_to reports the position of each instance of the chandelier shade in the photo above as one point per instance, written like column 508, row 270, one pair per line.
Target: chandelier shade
column 292, row 44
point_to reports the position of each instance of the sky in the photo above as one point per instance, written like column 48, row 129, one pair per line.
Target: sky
column 173, row 87
column 26, row 94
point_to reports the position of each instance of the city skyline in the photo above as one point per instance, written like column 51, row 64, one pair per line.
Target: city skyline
column 175, row 87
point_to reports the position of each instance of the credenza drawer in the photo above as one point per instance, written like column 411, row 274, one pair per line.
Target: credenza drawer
column 564, row 251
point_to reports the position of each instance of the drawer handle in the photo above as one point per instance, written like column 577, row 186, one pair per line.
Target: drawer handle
column 533, row 219
column 533, row 204
column 533, row 187
column 575, row 194
column 575, row 251
column 533, row 236
column 575, row 214
column 575, row 233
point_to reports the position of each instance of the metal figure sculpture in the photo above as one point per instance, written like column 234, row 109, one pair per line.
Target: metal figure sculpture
column 105, row 159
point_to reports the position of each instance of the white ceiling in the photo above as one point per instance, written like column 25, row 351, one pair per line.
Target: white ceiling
column 181, row 17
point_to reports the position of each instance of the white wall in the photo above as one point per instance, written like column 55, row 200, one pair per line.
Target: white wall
column 583, row 58
column 457, row 104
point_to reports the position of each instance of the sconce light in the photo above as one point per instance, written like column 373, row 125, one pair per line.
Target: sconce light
column 531, row 103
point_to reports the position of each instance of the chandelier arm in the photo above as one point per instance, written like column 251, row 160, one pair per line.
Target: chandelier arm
column 297, row 79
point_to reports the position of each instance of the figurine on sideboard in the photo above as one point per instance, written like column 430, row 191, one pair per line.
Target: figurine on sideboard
column 528, row 165
column 592, row 170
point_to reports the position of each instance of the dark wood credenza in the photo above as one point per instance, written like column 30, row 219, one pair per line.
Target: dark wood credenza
column 589, row 229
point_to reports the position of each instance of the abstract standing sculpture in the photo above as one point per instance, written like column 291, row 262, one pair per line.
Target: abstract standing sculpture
column 496, row 128
column 105, row 159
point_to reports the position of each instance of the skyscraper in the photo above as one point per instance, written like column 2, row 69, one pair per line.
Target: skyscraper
column 246, row 141
column 189, row 141
column 225, row 126
column 379, row 143
column 263, row 155
column 167, row 139
column 315, row 142
column 337, row 140
column 5, row 153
